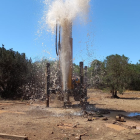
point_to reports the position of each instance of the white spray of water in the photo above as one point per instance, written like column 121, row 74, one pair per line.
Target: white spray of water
column 64, row 12
column 60, row 10
column 66, row 54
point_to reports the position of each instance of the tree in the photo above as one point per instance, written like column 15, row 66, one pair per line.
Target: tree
column 116, row 73
column 135, row 76
column 76, row 70
column 14, row 69
column 95, row 73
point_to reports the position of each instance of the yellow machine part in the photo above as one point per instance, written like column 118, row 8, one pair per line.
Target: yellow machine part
column 76, row 81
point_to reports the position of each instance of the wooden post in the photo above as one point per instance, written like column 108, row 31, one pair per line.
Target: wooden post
column 85, row 81
column 13, row 137
column 85, row 76
column 81, row 72
column 47, row 84
column 81, row 77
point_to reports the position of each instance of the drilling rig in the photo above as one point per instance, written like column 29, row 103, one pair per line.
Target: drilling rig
column 75, row 86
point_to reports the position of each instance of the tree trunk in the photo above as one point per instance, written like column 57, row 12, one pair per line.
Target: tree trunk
column 114, row 94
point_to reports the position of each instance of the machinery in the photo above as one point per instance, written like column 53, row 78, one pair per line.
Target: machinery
column 76, row 85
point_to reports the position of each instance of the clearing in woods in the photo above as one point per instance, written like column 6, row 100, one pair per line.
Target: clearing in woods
column 40, row 123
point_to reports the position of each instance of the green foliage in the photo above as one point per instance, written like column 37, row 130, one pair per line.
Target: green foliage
column 20, row 77
column 135, row 76
column 95, row 73
column 76, row 70
column 14, row 69
column 116, row 72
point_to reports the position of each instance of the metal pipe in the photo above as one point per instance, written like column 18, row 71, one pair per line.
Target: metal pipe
column 81, row 73
column 81, row 77
column 59, row 40
column 48, row 83
column 85, row 82
column 85, row 76
column 56, row 41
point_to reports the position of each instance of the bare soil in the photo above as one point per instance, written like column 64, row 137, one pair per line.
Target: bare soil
column 37, row 122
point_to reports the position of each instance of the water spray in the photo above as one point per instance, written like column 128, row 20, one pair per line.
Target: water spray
column 61, row 15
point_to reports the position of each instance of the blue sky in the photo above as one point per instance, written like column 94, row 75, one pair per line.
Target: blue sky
column 113, row 27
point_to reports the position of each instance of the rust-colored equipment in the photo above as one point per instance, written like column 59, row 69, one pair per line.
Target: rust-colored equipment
column 76, row 85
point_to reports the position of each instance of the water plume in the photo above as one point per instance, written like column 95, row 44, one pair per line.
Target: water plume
column 60, row 10
column 63, row 12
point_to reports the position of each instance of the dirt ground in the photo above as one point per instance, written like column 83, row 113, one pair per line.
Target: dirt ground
column 34, row 120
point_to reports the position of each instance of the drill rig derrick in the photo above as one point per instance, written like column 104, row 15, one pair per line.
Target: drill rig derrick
column 76, row 86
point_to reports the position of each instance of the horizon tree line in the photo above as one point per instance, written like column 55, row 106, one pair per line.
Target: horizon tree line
column 22, row 78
